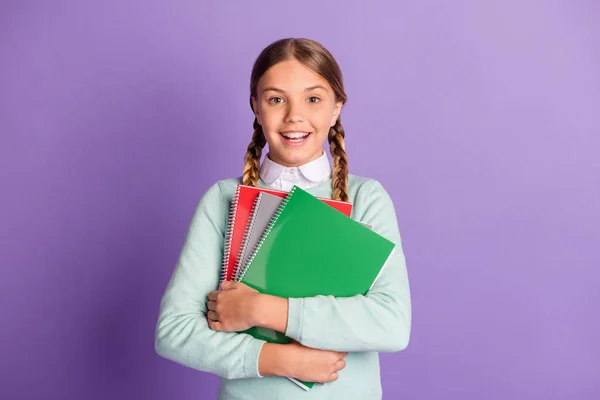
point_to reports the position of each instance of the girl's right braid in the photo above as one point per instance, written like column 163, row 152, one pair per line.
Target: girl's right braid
column 252, row 158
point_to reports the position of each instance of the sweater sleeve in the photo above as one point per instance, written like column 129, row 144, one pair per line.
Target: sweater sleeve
column 378, row 321
column 182, row 332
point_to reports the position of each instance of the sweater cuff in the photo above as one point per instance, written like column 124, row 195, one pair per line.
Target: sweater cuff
column 295, row 315
column 251, row 359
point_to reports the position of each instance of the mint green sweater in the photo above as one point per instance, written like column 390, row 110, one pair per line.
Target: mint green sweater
column 361, row 325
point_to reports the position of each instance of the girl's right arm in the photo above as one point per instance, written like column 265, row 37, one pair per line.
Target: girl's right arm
column 182, row 332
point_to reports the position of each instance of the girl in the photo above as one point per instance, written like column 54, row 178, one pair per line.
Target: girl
column 296, row 94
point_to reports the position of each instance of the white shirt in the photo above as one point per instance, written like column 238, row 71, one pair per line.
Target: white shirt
column 304, row 176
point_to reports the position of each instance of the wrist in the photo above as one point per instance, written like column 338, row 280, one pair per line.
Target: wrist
column 272, row 360
column 271, row 312
column 259, row 310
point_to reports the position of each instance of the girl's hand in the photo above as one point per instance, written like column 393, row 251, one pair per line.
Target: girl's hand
column 313, row 365
column 233, row 308
column 300, row 362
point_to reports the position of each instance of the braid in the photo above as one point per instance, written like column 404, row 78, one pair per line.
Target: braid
column 252, row 157
column 340, row 161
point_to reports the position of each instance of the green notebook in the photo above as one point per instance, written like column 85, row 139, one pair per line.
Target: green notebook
column 311, row 249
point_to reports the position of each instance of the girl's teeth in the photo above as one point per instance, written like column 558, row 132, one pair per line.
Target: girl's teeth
column 295, row 136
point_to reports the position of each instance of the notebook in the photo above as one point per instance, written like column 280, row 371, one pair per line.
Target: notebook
column 264, row 209
column 309, row 249
column 239, row 214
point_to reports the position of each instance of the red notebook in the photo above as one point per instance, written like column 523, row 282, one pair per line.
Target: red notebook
column 239, row 215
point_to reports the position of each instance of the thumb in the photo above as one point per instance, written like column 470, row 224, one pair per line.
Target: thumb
column 225, row 285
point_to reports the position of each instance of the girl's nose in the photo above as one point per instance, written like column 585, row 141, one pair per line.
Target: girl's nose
column 294, row 113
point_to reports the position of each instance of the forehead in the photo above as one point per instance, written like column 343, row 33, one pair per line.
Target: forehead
column 291, row 75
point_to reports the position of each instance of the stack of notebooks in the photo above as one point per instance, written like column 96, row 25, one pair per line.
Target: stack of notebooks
column 292, row 244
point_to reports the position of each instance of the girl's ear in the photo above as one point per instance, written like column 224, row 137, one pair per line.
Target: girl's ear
column 336, row 113
column 255, row 110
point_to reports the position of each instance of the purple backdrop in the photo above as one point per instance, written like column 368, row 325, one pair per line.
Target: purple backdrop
column 480, row 119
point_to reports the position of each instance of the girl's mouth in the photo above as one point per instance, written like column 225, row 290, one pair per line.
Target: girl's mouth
column 295, row 138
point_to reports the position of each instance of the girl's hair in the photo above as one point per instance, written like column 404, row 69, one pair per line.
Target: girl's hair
column 317, row 58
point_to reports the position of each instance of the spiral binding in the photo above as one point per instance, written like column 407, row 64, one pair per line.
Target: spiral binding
column 247, row 232
column 266, row 232
column 229, row 234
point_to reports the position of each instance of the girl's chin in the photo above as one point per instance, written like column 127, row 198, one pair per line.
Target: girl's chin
column 294, row 157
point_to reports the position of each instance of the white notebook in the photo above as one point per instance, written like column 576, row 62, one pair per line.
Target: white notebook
column 265, row 206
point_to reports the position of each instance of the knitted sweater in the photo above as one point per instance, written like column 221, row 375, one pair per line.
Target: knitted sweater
column 379, row 321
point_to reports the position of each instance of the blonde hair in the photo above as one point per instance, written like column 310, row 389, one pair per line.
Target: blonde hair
column 316, row 57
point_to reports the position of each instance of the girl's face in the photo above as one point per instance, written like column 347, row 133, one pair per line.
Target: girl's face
column 295, row 107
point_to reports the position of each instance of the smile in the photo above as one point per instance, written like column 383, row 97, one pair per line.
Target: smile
column 295, row 137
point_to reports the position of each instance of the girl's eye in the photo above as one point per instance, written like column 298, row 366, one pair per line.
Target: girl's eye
column 275, row 100
column 313, row 99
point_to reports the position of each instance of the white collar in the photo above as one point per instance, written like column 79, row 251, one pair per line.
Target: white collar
column 316, row 171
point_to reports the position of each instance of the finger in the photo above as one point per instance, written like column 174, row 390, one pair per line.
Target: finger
column 213, row 295
column 343, row 354
column 341, row 364
column 226, row 285
column 212, row 305
column 212, row 315
column 333, row 377
column 214, row 325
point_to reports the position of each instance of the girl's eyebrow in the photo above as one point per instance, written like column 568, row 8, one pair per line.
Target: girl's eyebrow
column 273, row 89
column 308, row 89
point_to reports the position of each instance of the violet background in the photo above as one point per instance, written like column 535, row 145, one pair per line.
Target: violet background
column 479, row 118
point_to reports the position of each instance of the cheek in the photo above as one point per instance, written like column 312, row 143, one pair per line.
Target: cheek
column 270, row 126
column 322, row 120
column 270, row 120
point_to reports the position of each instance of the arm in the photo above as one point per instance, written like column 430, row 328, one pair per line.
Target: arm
column 298, row 361
column 379, row 321
column 182, row 331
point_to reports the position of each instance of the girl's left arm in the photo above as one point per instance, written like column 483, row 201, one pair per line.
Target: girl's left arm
column 378, row 321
